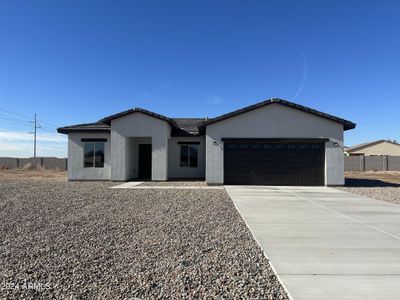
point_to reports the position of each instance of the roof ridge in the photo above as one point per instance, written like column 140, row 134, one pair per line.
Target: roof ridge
column 347, row 124
column 368, row 144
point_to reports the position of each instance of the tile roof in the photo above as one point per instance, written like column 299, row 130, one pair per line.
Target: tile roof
column 187, row 125
column 346, row 124
column 196, row 126
column 368, row 144
column 98, row 127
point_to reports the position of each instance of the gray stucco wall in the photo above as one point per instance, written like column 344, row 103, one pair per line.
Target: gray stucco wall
column 394, row 163
column 9, row 162
column 139, row 125
column 354, row 163
column 50, row 163
column 375, row 163
column 334, row 163
column 174, row 168
column 76, row 171
column 275, row 121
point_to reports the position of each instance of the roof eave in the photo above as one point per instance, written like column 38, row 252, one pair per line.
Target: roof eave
column 108, row 119
column 64, row 130
column 347, row 125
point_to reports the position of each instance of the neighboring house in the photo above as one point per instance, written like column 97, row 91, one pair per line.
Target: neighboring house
column 274, row 142
column 381, row 147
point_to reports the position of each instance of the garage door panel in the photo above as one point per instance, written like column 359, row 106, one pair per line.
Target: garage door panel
column 263, row 164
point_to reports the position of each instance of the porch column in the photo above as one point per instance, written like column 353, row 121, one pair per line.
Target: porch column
column 159, row 158
column 118, row 160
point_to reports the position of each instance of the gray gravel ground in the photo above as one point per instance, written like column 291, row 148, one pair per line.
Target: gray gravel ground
column 388, row 194
column 375, row 189
column 82, row 240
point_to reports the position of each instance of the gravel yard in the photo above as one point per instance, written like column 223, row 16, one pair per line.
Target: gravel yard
column 377, row 185
column 83, row 240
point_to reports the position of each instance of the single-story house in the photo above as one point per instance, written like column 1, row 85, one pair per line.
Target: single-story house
column 381, row 147
column 274, row 142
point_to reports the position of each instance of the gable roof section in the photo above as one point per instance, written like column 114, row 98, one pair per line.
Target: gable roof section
column 107, row 120
column 369, row 144
column 346, row 124
column 180, row 126
column 195, row 126
column 86, row 127
column 187, row 126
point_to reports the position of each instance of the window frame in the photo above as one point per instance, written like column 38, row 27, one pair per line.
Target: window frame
column 94, row 163
column 192, row 160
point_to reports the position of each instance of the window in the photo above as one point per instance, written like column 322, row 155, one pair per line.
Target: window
column 94, row 155
column 189, row 155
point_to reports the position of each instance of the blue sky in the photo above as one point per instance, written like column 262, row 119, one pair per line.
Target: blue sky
column 78, row 61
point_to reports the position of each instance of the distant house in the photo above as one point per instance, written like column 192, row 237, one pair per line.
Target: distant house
column 381, row 147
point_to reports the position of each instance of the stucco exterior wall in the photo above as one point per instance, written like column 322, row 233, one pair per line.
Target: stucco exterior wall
column 334, row 163
column 174, row 168
column 384, row 148
column 139, row 125
column 76, row 171
column 275, row 121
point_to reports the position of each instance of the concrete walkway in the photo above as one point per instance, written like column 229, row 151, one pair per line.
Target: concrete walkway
column 324, row 243
column 137, row 185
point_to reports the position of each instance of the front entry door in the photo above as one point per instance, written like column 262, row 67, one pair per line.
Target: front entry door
column 145, row 161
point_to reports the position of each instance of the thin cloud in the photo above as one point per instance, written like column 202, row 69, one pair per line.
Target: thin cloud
column 215, row 99
column 156, row 98
column 165, row 84
column 304, row 77
column 10, row 136
column 20, row 144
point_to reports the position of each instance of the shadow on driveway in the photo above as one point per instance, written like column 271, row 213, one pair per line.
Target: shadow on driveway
column 357, row 182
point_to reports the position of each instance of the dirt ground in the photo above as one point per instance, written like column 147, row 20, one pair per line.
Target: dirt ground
column 33, row 174
column 389, row 176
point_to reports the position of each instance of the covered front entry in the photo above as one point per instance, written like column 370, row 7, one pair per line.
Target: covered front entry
column 274, row 162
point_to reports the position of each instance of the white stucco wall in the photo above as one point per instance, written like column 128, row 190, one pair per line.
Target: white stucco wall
column 139, row 125
column 76, row 171
column 275, row 121
column 174, row 168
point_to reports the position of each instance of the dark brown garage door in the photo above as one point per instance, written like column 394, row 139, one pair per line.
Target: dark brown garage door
column 265, row 162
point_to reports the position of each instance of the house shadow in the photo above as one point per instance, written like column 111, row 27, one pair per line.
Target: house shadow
column 358, row 182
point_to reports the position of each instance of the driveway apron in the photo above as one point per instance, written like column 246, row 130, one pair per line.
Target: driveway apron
column 324, row 243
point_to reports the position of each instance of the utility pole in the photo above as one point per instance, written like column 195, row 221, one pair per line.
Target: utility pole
column 34, row 141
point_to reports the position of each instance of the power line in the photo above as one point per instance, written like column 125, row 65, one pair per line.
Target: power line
column 14, row 113
column 49, row 124
column 15, row 120
column 35, row 124
column 50, row 130
column 15, row 123
column 28, row 124
column 26, row 117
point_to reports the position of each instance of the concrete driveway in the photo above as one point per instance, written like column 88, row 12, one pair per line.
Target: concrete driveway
column 324, row 243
